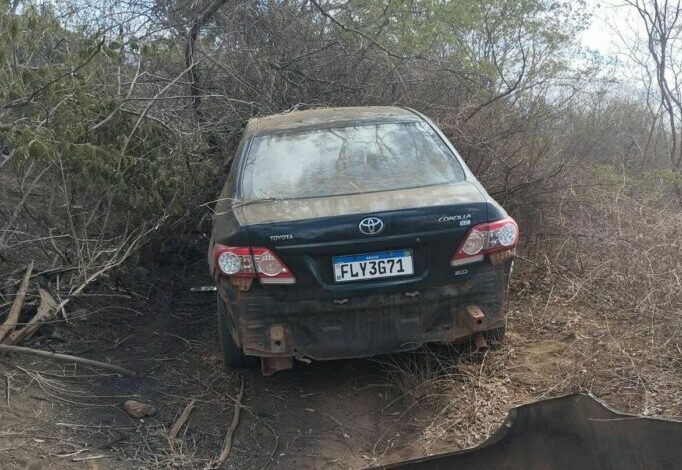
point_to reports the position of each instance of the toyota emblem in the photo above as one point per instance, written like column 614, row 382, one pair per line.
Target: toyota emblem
column 371, row 225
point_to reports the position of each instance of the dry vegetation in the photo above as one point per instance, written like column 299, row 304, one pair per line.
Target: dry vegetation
column 596, row 308
column 117, row 123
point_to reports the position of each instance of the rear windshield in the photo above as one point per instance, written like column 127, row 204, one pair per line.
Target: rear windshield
column 348, row 160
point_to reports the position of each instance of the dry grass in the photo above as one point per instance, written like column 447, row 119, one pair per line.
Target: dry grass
column 596, row 306
column 566, row 350
column 616, row 244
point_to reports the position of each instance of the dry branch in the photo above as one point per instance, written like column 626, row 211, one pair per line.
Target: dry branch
column 6, row 348
column 227, row 443
column 184, row 416
column 46, row 307
column 146, row 110
column 18, row 208
column 13, row 315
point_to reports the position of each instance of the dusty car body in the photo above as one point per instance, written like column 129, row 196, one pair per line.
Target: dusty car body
column 351, row 232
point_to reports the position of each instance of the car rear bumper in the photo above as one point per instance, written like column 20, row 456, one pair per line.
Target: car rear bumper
column 369, row 325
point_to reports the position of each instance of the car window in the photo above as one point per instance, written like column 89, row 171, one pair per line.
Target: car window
column 348, row 160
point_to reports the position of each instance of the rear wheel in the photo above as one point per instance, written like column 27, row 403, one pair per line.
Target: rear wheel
column 233, row 356
column 495, row 336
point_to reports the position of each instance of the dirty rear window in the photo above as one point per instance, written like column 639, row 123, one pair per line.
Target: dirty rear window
column 348, row 160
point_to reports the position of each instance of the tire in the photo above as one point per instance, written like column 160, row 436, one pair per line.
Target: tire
column 233, row 356
column 495, row 337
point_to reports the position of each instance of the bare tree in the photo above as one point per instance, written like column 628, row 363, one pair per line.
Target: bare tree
column 662, row 21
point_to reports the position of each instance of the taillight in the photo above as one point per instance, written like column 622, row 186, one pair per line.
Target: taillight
column 487, row 238
column 270, row 268
column 234, row 261
column 252, row 262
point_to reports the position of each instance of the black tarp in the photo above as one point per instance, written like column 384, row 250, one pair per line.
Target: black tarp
column 572, row 432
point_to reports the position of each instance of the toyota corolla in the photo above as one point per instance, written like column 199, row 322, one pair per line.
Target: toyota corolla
column 352, row 232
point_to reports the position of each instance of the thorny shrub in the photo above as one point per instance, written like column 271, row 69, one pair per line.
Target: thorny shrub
column 613, row 240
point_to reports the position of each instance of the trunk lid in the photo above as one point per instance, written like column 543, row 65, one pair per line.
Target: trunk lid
column 306, row 234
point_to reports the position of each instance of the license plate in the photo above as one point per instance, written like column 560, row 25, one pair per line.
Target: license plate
column 373, row 265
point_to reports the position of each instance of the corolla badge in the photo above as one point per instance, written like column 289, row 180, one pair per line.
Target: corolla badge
column 371, row 225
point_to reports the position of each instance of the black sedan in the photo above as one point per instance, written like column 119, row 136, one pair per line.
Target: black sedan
column 351, row 232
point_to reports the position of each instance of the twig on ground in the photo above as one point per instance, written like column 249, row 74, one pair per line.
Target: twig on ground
column 7, row 385
column 46, row 307
column 184, row 416
column 271, row 457
column 13, row 315
column 66, row 357
column 71, row 454
column 92, row 457
column 113, row 441
column 227, row 443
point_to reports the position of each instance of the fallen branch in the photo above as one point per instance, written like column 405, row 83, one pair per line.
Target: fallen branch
column 13, row 315
column 6, row 348
column 122, row 253
column 184, row 416
column 46, row 307
column 92, row 457
column 227, row 443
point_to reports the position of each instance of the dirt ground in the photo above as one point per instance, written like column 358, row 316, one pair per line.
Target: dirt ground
column 326, row 415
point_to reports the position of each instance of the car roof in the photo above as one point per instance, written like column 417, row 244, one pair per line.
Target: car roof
column 322, row 118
